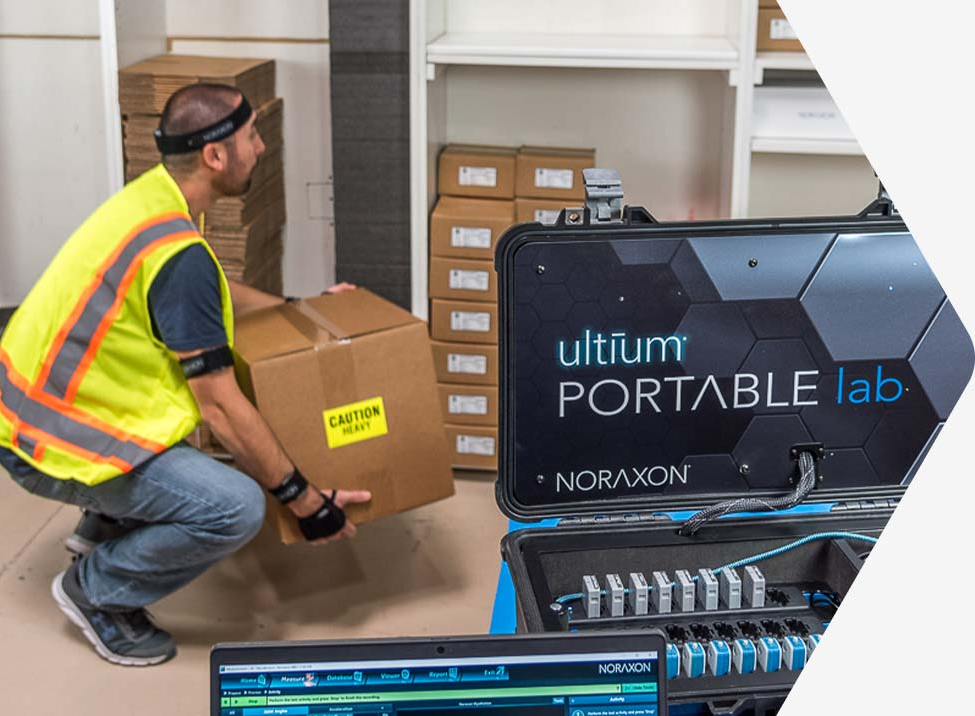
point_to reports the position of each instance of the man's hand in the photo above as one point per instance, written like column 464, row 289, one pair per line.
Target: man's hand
column 340, row 288
column 311, row 500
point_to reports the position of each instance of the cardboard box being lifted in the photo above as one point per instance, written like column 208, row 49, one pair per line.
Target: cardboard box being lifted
column 347, row 384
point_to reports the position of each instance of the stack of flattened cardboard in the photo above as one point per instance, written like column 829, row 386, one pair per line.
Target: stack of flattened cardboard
column 147, row 85
column 483, row 191
column 244, row 231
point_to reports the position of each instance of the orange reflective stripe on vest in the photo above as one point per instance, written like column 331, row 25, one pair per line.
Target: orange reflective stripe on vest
column 77, row 342
column 43, row 419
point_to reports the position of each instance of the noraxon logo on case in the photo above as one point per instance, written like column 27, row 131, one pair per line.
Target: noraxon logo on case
column 632, row 667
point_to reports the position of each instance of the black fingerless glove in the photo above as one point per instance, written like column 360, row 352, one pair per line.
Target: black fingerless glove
column 329, row 520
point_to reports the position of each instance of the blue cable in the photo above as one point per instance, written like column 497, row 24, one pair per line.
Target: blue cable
column 793, row 545
column 756, row 558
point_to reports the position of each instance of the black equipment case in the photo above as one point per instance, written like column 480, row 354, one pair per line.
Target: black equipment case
column 651, row 369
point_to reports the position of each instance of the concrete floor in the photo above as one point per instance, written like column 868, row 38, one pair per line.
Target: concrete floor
column 427, row 572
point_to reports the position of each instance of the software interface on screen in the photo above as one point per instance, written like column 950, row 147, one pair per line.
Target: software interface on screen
column 611, row 684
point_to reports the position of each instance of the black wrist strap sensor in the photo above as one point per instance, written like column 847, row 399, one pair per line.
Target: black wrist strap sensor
column 193, row 141
column 289, row 490
column 207, row 362
column 329, row 520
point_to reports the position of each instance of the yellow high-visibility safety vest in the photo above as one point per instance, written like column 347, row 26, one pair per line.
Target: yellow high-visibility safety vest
column 87, row 391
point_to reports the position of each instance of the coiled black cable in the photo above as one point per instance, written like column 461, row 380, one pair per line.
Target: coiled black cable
column 807, row 481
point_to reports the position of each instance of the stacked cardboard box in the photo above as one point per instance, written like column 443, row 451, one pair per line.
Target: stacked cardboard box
column 478, row 189
column 775, row 33
column 245, row 231
column 550, row 179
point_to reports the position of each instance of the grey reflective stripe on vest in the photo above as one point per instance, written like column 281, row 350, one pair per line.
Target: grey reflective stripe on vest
column 48, row 420
column 76, row 343
column 28, row 445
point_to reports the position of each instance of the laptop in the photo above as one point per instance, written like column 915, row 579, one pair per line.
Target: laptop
column 568, row 674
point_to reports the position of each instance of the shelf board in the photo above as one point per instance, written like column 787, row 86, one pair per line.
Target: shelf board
column 781, row 61
column 577, row 50
column 795, row 145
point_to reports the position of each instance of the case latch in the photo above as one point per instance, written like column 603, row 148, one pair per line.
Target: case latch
column 883, row 205
column 604, row 195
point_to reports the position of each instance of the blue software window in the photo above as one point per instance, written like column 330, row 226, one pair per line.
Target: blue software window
column 612, row 684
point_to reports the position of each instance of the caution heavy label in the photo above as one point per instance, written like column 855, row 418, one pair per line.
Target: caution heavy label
column 355, row 422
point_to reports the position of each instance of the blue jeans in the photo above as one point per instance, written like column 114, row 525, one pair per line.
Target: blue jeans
column 197, row 511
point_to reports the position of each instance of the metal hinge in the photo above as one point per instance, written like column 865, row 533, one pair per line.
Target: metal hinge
column 615, row 519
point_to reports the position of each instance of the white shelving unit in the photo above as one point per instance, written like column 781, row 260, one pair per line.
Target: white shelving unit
column 645, row 52
column 666, row 92
column 785, row 145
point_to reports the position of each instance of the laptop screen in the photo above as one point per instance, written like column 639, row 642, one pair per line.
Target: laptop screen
column 590, row 684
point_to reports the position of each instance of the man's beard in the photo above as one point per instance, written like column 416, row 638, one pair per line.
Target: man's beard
column 231, row 187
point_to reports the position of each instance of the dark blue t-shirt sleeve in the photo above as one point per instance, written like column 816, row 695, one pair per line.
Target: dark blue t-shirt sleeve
column 184, row 302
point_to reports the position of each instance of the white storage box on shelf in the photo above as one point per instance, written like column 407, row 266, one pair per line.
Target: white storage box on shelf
column 800, row 120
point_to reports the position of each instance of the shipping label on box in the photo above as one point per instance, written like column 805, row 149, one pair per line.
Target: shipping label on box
column 347, row 385
column 469, row 404
column 465, row 363
column 781, row 29
column 470, row 237
column 463, row 279
column 463, row 321
column 546, row 178
column 468, row 228
column 470, row 321
column 552, row 172
column 477, row 171
column 474, row 447
column 477, row 176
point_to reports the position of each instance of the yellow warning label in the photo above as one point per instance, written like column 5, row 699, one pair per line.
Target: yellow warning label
column 355, row 422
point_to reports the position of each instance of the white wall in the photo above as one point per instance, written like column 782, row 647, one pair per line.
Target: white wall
column 294, row 34
column 52, row 133
column 810, row 185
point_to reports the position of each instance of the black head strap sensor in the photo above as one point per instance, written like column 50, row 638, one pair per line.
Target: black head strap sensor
column 193, row 141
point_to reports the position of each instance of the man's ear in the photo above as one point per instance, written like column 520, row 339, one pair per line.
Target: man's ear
column 214, row 156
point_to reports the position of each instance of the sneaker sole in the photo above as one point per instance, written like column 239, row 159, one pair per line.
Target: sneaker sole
column 78, row 619
column 78, row 545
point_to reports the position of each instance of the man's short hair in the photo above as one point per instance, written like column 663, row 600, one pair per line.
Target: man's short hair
column 190, row 109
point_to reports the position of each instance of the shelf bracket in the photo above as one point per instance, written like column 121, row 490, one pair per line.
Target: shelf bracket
column 431, row 72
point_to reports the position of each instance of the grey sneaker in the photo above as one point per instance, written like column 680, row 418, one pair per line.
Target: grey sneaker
column 125, row 638
column 93, row 529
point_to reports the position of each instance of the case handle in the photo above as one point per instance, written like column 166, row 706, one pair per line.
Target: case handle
column 728, row 708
